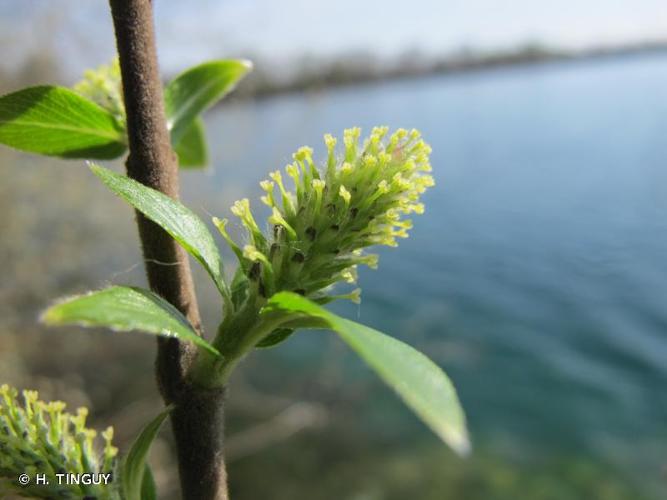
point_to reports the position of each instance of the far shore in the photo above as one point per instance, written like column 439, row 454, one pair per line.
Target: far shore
column 314, row 74
column 361, row 69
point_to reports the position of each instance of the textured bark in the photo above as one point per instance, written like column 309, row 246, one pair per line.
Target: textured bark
column 201, row 461
column 197, row 419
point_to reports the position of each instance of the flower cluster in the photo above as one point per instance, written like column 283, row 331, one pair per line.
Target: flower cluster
column 103, row 86
column 319, row 232
column 38, row 437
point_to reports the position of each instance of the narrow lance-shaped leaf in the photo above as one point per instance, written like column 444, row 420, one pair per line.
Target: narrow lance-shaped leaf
column 134, row 472
column 419, row 382
column 56, row 121
column 148, row 488
column 123, row 308
column 277, row 336
column 176, row 219
column 191, row 150
column 198, row 88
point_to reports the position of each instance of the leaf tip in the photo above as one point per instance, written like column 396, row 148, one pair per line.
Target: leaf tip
column 53, row 315
column 94, row 167
column 459, row 442
column 50, row 316
column 247, row 64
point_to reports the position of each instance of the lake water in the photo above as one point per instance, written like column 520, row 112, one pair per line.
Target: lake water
column 538, row 276
column 537, row 279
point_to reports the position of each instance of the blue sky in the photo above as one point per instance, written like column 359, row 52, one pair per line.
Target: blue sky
column 328, row 26
column 280, row 30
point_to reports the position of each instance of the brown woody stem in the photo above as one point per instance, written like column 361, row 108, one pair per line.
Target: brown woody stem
column 197, row 420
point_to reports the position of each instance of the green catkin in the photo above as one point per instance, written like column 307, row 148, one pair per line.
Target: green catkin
column 103, row 86
column 320, row 232
column 41, row 438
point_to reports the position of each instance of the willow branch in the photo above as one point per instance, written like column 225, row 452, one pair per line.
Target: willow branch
column 197, row 419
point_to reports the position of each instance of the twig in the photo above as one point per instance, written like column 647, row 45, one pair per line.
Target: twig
column 197, row 421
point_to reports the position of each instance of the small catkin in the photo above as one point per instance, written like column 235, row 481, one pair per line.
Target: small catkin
column 320, row 230
column 42, row 438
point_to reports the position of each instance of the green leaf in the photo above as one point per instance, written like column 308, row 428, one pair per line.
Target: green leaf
column 198, row 88
column 56, row 121
column 191, row 150
column 123, row 308
column 148, row 489
column 133, row 467
column 179, row 221
column 418, row 381
column 276, row 337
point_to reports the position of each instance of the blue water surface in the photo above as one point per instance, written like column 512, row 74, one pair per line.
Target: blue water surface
column 538, row 276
